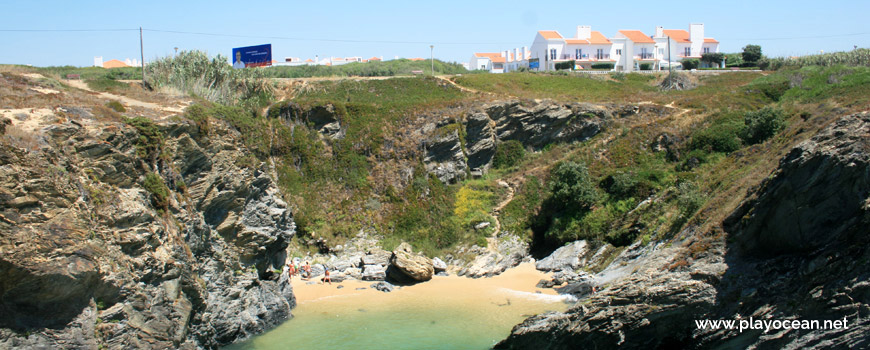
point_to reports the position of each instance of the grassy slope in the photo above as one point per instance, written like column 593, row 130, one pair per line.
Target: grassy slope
column 340, row 187
column 441, row 219
column 367, row 69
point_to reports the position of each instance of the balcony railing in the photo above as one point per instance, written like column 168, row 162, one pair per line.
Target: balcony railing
column 587, row 57
column 644, row 56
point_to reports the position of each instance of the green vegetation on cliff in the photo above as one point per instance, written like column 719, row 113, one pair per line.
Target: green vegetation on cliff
column 646, row 175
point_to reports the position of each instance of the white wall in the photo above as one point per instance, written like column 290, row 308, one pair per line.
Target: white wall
column 696, row 36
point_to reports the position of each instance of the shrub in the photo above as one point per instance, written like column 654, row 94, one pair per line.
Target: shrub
column 150, row 142
column 116, row 106
column 199, row 115
column 508, row 154
column 620, row 185
column 106, row 85
column 751, row 53
column 760, row 125
column 571, row 186
column 565, row 65
column 192, row 72
column 602, row 66
column 690, row 63
column 857, row 57
column 689, row 199
column 716, row 139
column 159, row 192
column 645, row 66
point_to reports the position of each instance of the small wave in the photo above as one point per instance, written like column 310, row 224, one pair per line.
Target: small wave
column 540, row 297
column 327, row 297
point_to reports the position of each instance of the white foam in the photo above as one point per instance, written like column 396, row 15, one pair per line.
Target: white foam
column 549, row 298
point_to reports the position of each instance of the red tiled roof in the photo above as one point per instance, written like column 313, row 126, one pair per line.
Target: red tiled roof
column 498, row 59
column 598, row 38
column 710, row 40
column 637, row 36
column 679, row 35
column 550, row 34
column 374, row 59
column 309, row 60
column 489, row 55
column 577, row 41
column 114, row 64
column 416, row 59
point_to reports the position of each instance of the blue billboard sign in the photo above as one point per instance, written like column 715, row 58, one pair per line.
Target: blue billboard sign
column 252, row 56
column 534, row 63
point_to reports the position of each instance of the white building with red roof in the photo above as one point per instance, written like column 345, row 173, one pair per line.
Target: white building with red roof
column 683, row 44
column 627, row 51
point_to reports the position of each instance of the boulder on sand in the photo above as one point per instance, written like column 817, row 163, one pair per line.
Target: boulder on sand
column 405, row 265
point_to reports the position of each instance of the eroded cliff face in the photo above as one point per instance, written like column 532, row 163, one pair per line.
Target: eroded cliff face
column 88, row 258
column 796, row 249
column 455, row 148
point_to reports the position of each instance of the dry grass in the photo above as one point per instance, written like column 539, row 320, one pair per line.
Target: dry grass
column 20, row 138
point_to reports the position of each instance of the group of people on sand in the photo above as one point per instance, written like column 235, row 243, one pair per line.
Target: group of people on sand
column 305, row 272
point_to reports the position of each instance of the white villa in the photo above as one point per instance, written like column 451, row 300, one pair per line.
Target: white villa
column 627, row 51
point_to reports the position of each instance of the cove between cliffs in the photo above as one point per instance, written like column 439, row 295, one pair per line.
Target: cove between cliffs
column 447, row 312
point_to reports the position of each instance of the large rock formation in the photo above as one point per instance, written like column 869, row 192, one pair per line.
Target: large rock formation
column 509, row 252
column 534, row 124
column 444, row 157
column 565, row 258
column 819, row 192
column 405, row 266
column 89, row 258
column 794, row 254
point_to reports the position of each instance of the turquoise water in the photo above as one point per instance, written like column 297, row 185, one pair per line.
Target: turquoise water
column 446, row 313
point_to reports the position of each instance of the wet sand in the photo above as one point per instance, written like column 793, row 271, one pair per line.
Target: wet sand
column 448, row 312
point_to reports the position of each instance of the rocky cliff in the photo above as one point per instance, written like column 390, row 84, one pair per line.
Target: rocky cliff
column 103, row 245
column 796, row 249
column 453, row 151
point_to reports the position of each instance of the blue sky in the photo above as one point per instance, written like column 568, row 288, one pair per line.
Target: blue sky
column 404, row 28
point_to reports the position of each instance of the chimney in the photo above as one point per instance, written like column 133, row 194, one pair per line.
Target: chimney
column 584, row 32
column 517, row 54
column 660, row 32
column 696, row 32
column 526, row 53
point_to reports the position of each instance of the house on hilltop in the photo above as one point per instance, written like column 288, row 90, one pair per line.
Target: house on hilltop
column 628, row 50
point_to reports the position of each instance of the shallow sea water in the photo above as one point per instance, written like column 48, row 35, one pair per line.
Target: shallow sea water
column 445, row 313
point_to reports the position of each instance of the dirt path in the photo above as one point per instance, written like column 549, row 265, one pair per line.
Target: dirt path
column 79, row 84
column 493, row 239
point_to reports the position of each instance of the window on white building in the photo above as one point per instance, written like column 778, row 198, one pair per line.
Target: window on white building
column 619, row 52
column 706, row 50
column 687, row 52
column 552, row 54
column 483, row 67
column 599, row 54
column 578, row 53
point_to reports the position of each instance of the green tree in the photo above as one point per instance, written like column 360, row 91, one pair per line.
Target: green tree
column 751, row 53
column 571, row 186
column 713, row 58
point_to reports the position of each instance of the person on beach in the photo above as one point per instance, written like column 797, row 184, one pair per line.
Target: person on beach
column 291, row 270
column 326, row 276
column 306, row 271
